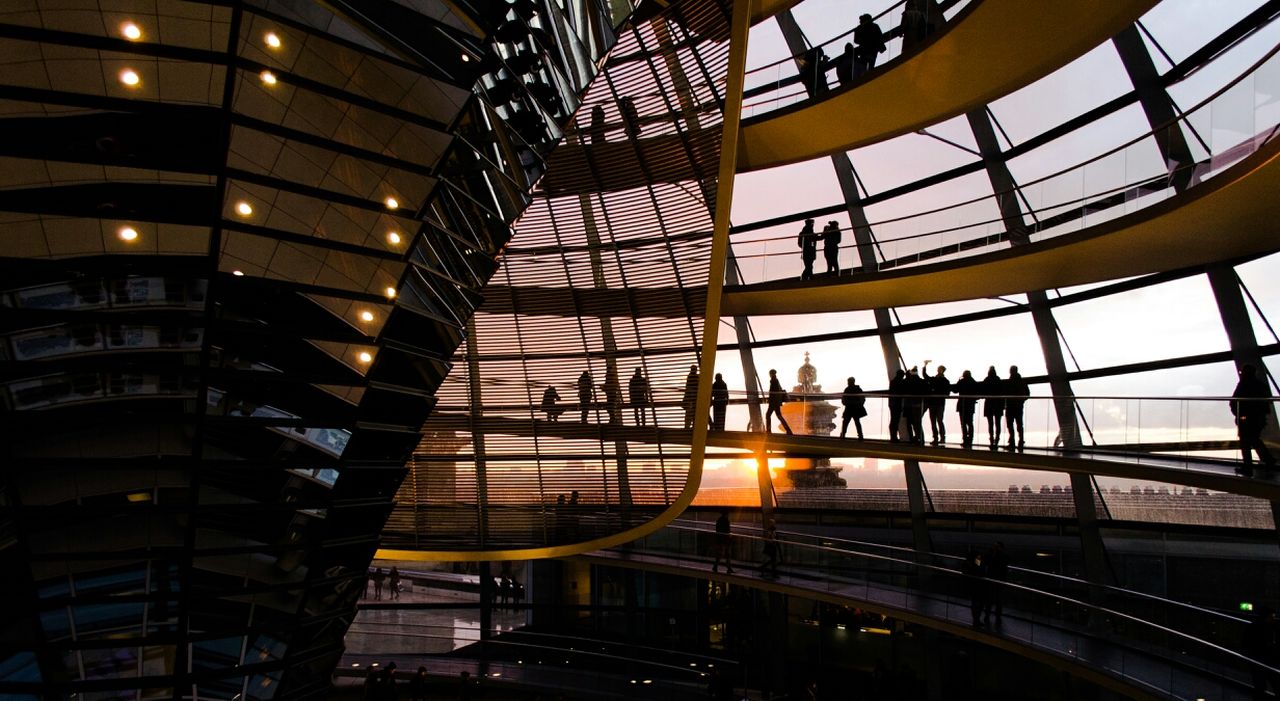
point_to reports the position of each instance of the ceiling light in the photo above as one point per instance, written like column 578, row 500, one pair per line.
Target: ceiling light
column 365, row 356
column 243, row 208
column 268, row 77
column 391, row 292
column 392, row 203
column 272, row 39
column 238, row 273
column 366, row 315
column 131, row 31
column 129, row 77
column 466, row 58
column 393, row 237
column 128, row 233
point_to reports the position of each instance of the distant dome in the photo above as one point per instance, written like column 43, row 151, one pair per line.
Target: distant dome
column 807, row 375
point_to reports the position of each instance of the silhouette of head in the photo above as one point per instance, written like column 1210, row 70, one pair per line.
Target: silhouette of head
column 848, row 48
column 1013, row 370
column 966, row 374
column 719, row 377
column 899, row 375
column 773, row 373
column 693, row 369
column 991, row 371
column 851, row 380
column 942, row 369
column 864, row 18
column 637, row 372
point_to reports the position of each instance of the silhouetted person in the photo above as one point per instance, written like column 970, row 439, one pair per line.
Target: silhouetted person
column 844, row 64
column 769, row 566
column 813, row 70
column 831, row 247
column 719, row 402
column 690, row 398
column 1260, row 645
column 993, row 406
column 997, row 562
column 418, row 685
column 1017, row 390
column 855, row 407
column 777, row 397
column 465, row 686
column 939, row 388
column 1251, row 404
column 869, row 41
column 393, row 583
column 967, row 388
column 630, row 117
column 586, row 393
column 916, row 23
column 979, row 605
column 378, row 578
column 896, row 390
column 387, row 690
column 638, row 393
column 612, row 396
column 723, row 543
column 597, row 128
column 808, row 243
column 549, row 398
column 914, row 387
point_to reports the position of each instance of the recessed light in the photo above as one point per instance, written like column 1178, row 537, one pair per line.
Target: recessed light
column 243, row 208
column 393, row 237
column 272, row 39
column 466, row 58
column 268, row 77
column 131, row 31
column 365, row 356
column 390, row 292
column 392, row 203
column 128, row 233
column 366, row 316
column 238, row 273
column 129, row 77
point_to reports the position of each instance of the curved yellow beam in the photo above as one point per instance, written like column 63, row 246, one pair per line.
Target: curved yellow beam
column 1231, row 216
column 739, row 28
column 997, row 47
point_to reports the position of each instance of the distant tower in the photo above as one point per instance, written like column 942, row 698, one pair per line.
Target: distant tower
column 810, row 415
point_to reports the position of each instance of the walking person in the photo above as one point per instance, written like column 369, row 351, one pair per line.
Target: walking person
column 869, row 41
column 638, row 393
column 690, row 398
column 855, row 407
column 939, row 388
column 1016, row 391
column 1251, row 405
column 831, row 247
column 807, row 240
column 723, row 543
column 979, row 604
column 895, row 405
column 967, row 388
column 378, row 578
column 586, row 393
column 993, row 406
column 777, row 397
column 719, row 402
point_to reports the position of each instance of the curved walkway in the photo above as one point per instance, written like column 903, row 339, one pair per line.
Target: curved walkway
column 1228, row 217
column 1217, row 475
column 1002, row 45
column 1104, row 646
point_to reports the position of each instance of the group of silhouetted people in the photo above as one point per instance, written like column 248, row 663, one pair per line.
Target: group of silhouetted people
column 913, row 394
column 391, row 581
column 859, row 57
